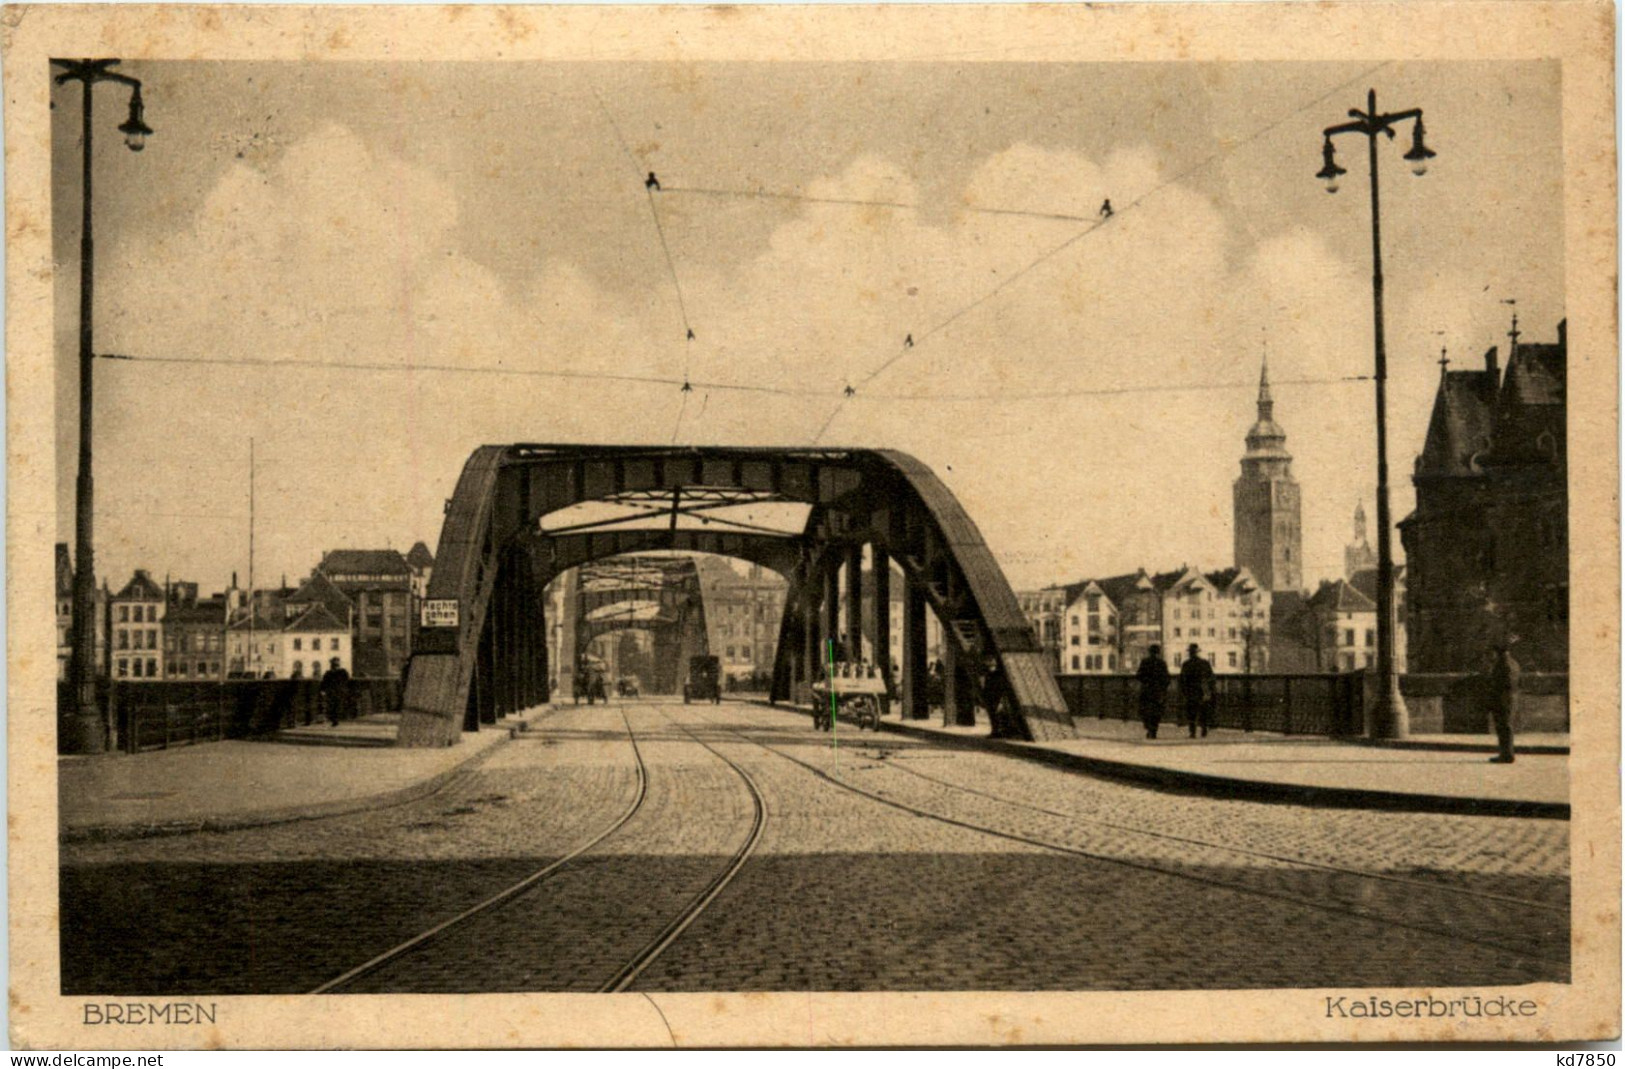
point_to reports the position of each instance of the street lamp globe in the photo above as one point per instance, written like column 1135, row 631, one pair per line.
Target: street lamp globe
column 1420, row 154
column 1330, row 172
column 135, row 131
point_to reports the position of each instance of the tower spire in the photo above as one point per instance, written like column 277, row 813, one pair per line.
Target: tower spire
column 1266, row 404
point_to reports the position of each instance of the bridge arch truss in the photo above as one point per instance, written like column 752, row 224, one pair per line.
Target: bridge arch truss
column 502, row 543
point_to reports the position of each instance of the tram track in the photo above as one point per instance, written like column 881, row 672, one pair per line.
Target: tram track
column 669, row 933
column 1333, row 909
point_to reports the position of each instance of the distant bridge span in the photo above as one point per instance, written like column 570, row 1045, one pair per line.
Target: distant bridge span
column 508, row 533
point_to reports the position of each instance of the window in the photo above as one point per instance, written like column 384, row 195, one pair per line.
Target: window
column 1232, row 658
column 152, row 614
column 315, row 643
column 152, row 668
column 123, row 668
column 296, row 646
column 1074, row 662
column 1370, row 637
column 730, row 653
column 1210, row 632
column 1074, row 620
column 123, row 614
column 298, row 669
column 1111, row 662
column 135, row 667
column 315, row 669
column 123, row 639
column 1348, row 636
column 1177, row 633
column 169, row 643
column 1232, row 634
column 744, row 653
column 202, row 668
column 152, row 638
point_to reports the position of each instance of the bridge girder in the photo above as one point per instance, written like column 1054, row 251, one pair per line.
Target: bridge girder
column 878, row 498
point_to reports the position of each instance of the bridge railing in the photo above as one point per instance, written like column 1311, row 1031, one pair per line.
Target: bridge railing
column 1330, row 705
column 164, row 713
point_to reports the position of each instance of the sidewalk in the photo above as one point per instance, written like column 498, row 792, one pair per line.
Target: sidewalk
column 1419, row 776
column 305, row 772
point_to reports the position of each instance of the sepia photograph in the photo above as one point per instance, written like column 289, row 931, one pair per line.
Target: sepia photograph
column 610, row 503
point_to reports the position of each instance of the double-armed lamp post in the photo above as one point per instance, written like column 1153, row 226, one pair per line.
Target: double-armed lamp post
column 89, row 725
column 1390, row 719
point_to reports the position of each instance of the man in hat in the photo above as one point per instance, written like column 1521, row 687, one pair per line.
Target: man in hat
column 1504, row 673
column 1154, row 679
column 1196, row 687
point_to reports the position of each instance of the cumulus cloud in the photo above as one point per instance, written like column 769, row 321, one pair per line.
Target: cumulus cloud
column 340, row 252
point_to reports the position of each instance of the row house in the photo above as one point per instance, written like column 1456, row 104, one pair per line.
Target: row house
column 742, row 616
column 379, row 585
column 261, row 645
column 1226, row 613
column 1045, row 610
column 137, row 629
column 194, row 635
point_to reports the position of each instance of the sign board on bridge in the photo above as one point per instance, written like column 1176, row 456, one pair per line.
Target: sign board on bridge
column 440, row 612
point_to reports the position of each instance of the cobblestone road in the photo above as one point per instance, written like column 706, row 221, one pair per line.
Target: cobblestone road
column 884, row 863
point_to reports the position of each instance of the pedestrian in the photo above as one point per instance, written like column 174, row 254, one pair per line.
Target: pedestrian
column 1504, row 673
column 936, row 690
column 1196, row 687
column 335, row 684
column 1154, row 679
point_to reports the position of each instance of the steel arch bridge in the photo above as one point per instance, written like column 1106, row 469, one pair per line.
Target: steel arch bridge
column 660, row 595
column 508, row 533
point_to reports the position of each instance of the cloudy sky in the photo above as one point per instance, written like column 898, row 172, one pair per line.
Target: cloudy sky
column 1087, row 404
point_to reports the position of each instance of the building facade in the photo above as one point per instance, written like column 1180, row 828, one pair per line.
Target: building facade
column 1226, row 613
column 315, row 642
column 1487, row 545
column 379, row 584
column 194, row 635
column 1267, row 504
column 138, row 629
column 1045, row 611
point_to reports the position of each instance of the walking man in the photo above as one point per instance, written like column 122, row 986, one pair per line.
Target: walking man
column 1154, row 679
column 1196, row 687
column 1503, row 701
column 334, row 685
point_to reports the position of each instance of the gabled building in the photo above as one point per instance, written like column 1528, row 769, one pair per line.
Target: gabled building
column 1342, row 622
column 254, row 646
column 1487, row 545
column 1226, row 613
column 138, row 629
column 379, row 582
column 314, row 643
column 1045, row 610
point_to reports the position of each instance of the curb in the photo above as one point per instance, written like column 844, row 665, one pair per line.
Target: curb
column 1544, row 749
column 1180, row 781
column 104, row 833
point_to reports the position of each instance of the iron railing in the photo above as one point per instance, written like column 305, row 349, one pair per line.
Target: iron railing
column 1329, row 705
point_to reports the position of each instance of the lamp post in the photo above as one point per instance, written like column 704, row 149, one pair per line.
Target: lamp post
column 1390, row 719
column 89, row 727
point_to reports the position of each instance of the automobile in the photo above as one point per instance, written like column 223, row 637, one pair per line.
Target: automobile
column 627, row 687
column 704, row 680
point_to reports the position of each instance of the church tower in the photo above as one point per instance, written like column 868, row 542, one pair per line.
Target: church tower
column 1268, row 506
column 1358, row 556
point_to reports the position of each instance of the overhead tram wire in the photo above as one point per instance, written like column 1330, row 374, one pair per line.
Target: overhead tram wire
column 1227, row 150
column 700, row 384
column 665, row 248
column 852, row 202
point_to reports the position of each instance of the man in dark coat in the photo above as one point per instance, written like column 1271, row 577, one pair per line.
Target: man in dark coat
column 335, row 684
column 1196, row 687
column 1154, row 679
column 1504, row 673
